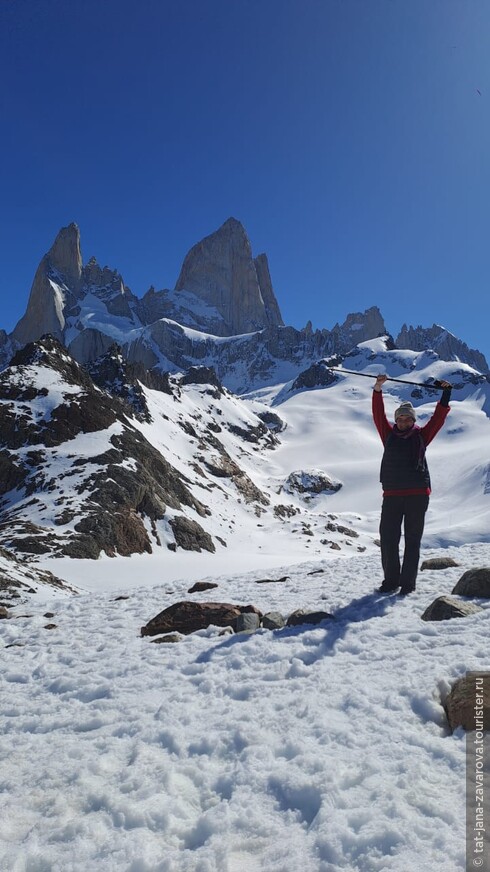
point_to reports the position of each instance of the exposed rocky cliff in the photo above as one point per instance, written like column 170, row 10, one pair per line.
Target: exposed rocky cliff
column 221, row 271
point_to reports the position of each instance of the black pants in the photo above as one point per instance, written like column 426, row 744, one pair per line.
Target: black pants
column 411, row 511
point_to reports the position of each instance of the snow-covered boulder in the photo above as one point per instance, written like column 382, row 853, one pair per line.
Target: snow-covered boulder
column 309, row 483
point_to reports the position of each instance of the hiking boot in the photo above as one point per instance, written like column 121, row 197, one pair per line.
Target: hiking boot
column 386, row 587
column 404, row 591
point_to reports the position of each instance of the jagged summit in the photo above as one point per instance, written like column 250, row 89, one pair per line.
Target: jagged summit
column 54, row 288
column 65, row 256
column 437, row 338
column 221, row 271
column 222, row 313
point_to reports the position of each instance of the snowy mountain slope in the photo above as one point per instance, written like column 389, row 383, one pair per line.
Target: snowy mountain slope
column 77, row 477
column 191, row 453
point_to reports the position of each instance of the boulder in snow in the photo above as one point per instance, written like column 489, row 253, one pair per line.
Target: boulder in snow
column 186, row 617
column 444, row 608
column 438, row 563
column 309, row 483
column 468, row 703
column 474, row 582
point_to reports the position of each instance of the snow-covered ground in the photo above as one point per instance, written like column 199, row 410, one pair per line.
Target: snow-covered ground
column 314, row 748
column 317, row 748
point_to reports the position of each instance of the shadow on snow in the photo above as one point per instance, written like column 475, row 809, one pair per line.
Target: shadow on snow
column 372, row 605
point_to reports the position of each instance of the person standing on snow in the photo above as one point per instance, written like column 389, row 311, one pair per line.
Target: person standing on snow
column 406, row 485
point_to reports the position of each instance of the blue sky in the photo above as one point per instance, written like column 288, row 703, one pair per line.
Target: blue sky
column 350, row 137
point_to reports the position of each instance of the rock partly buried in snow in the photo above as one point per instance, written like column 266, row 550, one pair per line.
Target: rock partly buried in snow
column 444, row 608
column 202, row 585
column 169, row 639
column 186, row 617
column 273, row 621
column 474, row 582
column 308, row 483
column 438, row 563
column 247, row 622
column 299, row 617
column 468, row 703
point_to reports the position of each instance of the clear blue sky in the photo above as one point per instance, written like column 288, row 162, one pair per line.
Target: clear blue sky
column 350, row 137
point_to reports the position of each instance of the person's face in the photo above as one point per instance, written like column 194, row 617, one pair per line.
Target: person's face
column 404, row 422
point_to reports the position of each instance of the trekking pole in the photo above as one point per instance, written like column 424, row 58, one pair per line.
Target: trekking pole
column 435, row 385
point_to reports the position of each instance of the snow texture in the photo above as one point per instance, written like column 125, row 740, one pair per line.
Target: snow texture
column 324, row 748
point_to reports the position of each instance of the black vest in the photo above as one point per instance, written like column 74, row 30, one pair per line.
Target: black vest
column 401, row 466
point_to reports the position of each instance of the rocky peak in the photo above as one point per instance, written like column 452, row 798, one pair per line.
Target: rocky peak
column 221, row 271
column 64, row 256
column 49, row 352
column 54, row 289
column 440, row 340
column 364, row 325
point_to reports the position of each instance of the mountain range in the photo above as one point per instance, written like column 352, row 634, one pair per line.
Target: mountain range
column 223, row 312
column 187, row 419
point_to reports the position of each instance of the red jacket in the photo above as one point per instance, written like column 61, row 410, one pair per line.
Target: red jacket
column 428, row 431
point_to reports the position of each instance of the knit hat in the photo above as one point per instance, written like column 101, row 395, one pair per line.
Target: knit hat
column 405, row 409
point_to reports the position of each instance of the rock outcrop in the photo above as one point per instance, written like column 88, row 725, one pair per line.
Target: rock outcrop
column 221, row 271
column 309, row 483
column 440, row 340
column 54, row 290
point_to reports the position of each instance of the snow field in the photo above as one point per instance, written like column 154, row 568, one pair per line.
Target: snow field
column 317, row 748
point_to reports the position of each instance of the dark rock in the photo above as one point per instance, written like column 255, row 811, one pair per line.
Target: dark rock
column 3, row 612
column 438, row 563
column 272, row 580
column 50, row 626
column 186, row 617
column 202, row 375
column 169, row 639
column 444, row 608
column 190, row 536
column 338, row 528
column 317, row 375
column 202, row 585
column 475, row 583
column 300, row 617
column 282, row 511
column 272, row 421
